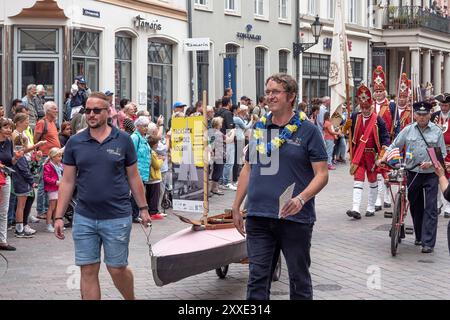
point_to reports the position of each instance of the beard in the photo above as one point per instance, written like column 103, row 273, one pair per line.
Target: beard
column 97, row 124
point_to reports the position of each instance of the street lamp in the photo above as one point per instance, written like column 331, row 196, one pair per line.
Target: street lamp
column 316, row 29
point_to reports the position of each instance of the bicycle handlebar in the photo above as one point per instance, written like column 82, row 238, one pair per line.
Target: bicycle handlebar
column 395, row 168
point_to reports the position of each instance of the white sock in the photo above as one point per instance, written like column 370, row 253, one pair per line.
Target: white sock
column 357, row 195
column 381, row 187
column 387, row 195
column 19, row 227
column 446, row 206
column 373, row 190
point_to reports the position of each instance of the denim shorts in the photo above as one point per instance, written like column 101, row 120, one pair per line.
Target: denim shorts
column 89, row 235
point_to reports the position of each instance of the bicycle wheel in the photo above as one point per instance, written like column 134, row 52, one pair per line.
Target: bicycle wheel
column 395, row 228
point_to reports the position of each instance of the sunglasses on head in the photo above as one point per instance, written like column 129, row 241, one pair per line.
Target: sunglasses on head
column 95, row 110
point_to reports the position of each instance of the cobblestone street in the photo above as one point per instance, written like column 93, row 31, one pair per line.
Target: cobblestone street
column 350, row 260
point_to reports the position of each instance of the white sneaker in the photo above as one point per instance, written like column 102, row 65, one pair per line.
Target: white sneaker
column 33, row 219
column 50, row 228
column 230, row 186
column 29, row 230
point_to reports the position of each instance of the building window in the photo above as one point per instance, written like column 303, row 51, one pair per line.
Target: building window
column 331, row 9
column 358, row 73
column 353, row 11
column 230, row 5
column 312, row 7
column 159, row 79
column 123, row 68
column 259, row 7
column 44, row 40
column 201, row 2
column 315, row 76
column 283, row 6
column 283, row 61
column 202, row 72
column 85, row 56
column 259, row 66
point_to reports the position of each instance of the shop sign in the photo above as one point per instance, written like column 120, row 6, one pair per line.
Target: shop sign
column 247, row 35
column 91, row 13
column 196, row 44
column 144, row 24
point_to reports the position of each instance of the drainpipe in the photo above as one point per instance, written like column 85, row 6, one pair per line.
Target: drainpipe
column 191, row 55
column 297, row 40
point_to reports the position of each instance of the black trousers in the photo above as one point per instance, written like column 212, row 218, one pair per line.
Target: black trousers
column 422, row 197
column 265, row 239
column 152, row 196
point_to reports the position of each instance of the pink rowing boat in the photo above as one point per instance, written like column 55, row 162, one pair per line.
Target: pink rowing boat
column 188, row 252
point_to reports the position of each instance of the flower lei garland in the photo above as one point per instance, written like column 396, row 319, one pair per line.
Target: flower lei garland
column 277, row 142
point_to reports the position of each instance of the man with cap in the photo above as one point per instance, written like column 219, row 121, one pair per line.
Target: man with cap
column 387, row 112
column 177, row 111
column 421, row 179
column 442, row 120
column 113, row 112
column 369, row 137
column 80, row 94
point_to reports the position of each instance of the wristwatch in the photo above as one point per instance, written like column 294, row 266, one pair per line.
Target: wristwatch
column 143, row 208
column 302, row 201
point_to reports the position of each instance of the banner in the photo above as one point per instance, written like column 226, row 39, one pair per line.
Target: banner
column 187, row 164
column 340, row 73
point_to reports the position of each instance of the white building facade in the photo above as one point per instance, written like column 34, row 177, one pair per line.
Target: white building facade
column 250, row 40
column 314, row 63
column 131, row 48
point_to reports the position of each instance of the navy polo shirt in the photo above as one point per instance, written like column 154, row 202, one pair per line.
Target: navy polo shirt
column 294, row 165
column 103, row 191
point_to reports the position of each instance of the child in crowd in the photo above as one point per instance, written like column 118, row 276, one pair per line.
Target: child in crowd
column 329, row 136
column 23, row 185
column 153, row 186
column 53, row 171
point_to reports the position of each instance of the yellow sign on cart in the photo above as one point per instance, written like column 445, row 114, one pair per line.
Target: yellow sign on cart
column 187, row 141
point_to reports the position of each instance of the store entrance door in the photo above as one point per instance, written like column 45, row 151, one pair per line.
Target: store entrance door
column 38, row 71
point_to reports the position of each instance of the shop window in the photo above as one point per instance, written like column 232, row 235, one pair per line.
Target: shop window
column 85, row 56
column 260, row 66
column 202, row 72
column 123, row 75
column 159, row 79
column 283, row 61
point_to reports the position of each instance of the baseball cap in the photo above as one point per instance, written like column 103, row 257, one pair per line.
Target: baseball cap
column 81, row 79
column 109, row 93
column 178, row 105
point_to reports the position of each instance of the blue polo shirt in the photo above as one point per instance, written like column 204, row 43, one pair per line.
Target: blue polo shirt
column 103, row 191
column 295, row 157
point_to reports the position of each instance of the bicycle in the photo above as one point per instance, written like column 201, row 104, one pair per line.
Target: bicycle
column 398, row 176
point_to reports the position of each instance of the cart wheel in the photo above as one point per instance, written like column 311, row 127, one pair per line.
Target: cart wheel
column 165, row 203
column 277, row 272
column 222, row 272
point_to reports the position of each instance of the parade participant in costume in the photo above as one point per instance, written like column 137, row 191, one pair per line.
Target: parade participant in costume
column 404, row 102
column 441, row 119
column 421, row 179
column 386, row 111
column 369, row 137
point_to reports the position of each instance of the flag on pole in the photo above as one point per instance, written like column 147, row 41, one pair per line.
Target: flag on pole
column 340, row 72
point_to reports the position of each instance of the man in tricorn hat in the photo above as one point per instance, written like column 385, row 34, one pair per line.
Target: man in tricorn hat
column 369, row 137
column 422, row 182
column 442, row 120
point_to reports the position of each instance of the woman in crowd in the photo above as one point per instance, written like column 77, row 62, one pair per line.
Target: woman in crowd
column 444, row 186
column 65, row 133
column 329, row 135
column 130, row 117
column 7, row 158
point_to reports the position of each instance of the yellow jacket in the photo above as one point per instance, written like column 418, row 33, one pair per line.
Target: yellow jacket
column 155, row 169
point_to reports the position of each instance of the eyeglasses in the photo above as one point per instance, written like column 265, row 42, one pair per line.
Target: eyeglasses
column 95, row 110
column 273, row 92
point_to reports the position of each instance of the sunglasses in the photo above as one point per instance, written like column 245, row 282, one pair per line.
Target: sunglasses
column 95, row 110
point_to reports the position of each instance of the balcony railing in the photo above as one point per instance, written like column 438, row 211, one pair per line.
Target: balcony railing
column 409, row 17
